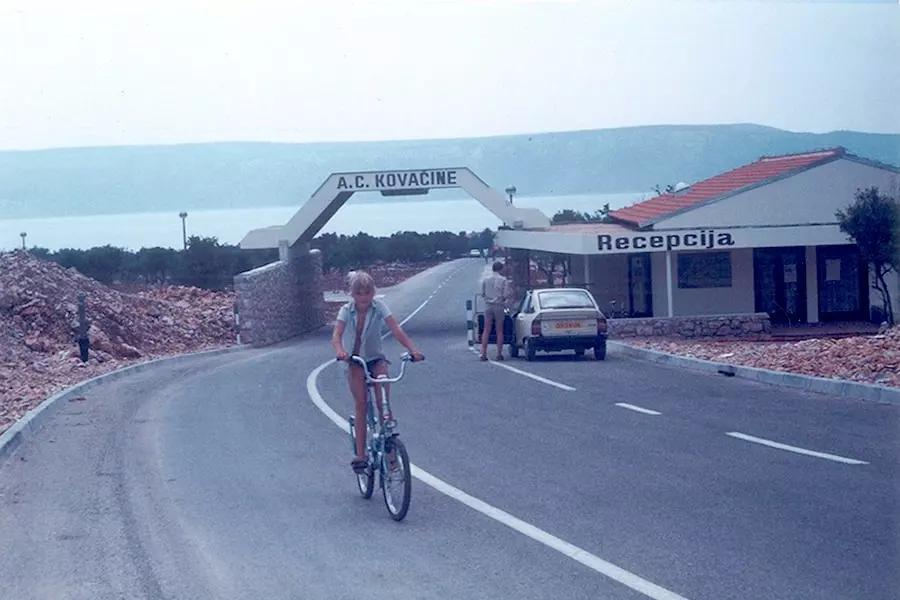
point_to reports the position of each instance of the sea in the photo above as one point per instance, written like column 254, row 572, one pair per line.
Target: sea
column 381, row 217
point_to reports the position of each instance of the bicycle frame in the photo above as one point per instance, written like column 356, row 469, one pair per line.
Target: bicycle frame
column 384, row 430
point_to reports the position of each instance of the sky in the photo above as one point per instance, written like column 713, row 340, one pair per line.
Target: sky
column 97, row 73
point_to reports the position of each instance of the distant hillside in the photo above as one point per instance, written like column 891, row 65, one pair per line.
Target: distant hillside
column 78, row 181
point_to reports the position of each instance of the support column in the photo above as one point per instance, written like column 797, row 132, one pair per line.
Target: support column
column 587, row 270
column 669, row 294
column 812, row 285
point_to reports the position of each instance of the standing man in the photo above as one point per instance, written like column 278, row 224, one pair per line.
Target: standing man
column 495, row 290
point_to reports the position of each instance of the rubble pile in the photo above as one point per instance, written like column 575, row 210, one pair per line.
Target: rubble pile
column 384, row 274
column 864, row 359
column 39, row 323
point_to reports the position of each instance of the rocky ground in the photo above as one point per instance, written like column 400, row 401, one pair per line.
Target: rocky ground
column 39, row 355
column 866, row 359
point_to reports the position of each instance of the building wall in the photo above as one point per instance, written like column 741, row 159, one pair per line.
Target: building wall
column 739, row 298
column 608, row 279
column 812, row 196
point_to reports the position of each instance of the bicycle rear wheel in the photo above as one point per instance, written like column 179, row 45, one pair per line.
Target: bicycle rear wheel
column 396, row 479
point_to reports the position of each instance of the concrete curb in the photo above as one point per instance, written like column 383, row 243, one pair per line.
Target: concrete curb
column 31, row 422
column 823, row 385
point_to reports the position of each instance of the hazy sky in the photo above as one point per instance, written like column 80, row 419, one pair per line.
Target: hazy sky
column 91, row 73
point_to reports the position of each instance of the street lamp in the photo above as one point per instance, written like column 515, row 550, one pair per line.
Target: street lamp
column 511, row 191
column 24, row 235
column 183, row 216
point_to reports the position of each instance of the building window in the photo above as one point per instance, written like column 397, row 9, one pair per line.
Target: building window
column 704, row 270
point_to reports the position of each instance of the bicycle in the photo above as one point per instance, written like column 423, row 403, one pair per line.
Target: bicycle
column 381, row 440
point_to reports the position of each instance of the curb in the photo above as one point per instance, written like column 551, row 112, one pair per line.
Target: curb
column 822, row 385
column 31, row 422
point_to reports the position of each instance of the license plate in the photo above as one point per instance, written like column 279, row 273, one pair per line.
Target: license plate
column 569, row 325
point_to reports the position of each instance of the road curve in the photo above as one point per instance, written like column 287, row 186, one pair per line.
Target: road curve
column 223, row 479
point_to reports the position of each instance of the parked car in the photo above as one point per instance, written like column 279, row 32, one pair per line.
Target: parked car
column 556, row 319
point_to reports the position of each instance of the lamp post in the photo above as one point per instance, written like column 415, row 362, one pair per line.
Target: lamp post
column 511, row 191
column 24, row 235
column 183, row 216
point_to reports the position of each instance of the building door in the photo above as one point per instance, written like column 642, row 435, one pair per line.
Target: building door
column 780, row 282
column 640, row 290
column 843, row 284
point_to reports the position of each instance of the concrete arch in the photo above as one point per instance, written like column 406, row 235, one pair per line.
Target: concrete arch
column 309, row 220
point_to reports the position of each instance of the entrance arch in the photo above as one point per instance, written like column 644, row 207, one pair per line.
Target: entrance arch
column 285, row 298
column 310, row 218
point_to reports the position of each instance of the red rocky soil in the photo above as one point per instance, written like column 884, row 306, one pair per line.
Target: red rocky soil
column 39, row 317
column 864, row 359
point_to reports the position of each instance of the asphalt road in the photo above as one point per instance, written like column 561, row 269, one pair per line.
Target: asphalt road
column 223, row 479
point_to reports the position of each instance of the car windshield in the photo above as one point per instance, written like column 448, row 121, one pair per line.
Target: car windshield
column 565, row 299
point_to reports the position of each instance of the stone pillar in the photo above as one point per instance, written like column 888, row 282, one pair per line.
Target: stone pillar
column 282, row 299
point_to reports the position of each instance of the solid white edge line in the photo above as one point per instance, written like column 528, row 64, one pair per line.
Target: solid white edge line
column 561, row 386
column 580, row 555
column 646, row 411
column 780, row 446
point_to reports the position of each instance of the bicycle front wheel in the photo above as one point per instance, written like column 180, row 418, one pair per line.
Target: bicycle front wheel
column 396, row 479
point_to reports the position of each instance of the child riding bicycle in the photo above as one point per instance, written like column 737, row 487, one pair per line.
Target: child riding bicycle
column 359, row 321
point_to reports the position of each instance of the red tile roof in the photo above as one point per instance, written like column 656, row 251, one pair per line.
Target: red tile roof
column 759, row 172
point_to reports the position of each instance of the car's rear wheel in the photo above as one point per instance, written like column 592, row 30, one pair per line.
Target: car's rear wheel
column 600, row 350
column 529, row 349
column 514, row 349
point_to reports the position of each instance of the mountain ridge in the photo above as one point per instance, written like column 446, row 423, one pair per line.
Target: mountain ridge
column 76, row 181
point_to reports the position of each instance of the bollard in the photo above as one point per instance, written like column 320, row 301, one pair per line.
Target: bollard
column 237, row 322
column 84, row 342
column 470, row 327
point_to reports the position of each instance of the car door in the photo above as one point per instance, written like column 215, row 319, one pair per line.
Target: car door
column 522, row 323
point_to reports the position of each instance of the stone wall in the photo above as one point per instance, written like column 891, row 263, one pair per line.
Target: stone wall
column 744, row 326
column 281, row 300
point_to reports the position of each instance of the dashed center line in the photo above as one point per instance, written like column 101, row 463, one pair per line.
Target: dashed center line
column 780, row 446
column 646, row 411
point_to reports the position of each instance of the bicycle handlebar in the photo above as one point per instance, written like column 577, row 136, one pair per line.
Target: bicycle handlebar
column 404, row 358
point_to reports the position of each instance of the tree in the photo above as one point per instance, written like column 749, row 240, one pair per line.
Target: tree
column 873, row 223
column 567, row 215
column 202, row 263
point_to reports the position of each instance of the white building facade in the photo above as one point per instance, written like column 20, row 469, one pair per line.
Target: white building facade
column 763, row 238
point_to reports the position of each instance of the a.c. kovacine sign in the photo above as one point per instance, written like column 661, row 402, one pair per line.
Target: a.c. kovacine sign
column 398, row 180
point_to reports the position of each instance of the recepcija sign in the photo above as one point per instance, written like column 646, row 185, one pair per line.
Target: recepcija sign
column 705, row 239
column 398, row 180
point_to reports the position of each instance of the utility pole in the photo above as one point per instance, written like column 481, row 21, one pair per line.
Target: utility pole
column 24, row 235
column 183, row 216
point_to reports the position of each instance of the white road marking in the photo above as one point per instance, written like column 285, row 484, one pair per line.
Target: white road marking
column 780, row 446
column 580, row 555
column 556, row 384
column 646, row 411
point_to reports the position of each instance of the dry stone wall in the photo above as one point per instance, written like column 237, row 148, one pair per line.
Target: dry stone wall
column 745, row 326
column 280, row 300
